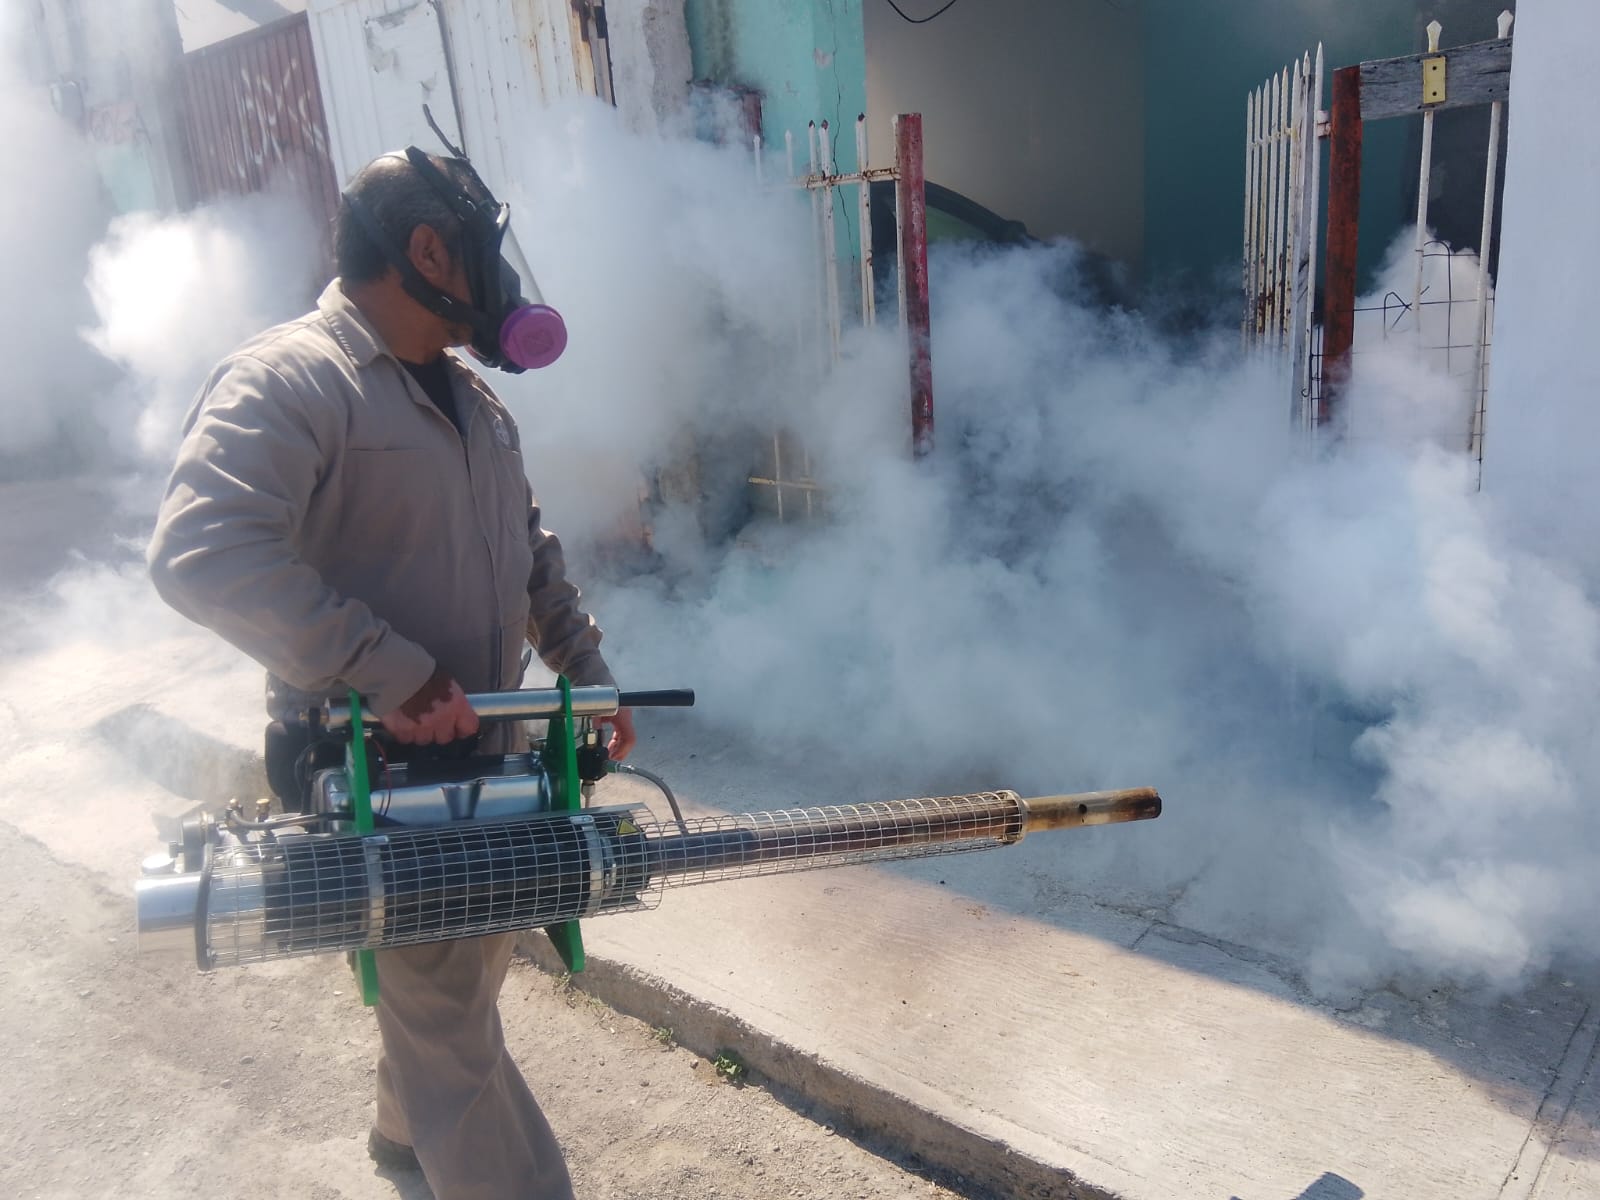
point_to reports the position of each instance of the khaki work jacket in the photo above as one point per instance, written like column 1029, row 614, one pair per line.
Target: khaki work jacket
column 326, row 518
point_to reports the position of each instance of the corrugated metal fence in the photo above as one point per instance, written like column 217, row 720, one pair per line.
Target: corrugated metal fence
column 253, row 118
column 486, row 68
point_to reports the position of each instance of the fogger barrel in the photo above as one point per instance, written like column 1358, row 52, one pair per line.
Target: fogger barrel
column 308, row 893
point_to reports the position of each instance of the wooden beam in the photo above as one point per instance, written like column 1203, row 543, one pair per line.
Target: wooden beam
column 1344, row 213
column 911, row 208
column 1479, row 73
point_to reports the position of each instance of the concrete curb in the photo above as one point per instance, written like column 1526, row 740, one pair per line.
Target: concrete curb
column 856, row 1103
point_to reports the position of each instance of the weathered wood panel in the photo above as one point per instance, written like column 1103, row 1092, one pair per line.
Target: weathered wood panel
column 1344, row 212
column 1479, row 73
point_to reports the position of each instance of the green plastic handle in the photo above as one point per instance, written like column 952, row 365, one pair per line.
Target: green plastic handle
column 561, row 764
column 361, row 806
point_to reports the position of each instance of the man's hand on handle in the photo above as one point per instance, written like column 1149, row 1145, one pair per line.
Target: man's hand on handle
column 623, row 738
column 437, row 714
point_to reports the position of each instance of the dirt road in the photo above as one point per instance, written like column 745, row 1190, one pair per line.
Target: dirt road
column 125, row 1080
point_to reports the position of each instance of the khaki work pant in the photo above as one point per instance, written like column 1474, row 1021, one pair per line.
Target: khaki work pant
column 446, row 1085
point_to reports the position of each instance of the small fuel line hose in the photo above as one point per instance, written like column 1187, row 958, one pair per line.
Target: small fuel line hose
column 672, row 801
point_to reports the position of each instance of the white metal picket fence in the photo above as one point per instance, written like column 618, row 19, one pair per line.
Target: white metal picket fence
column 1283, row 119
column 789, row 469
column 1446, row 314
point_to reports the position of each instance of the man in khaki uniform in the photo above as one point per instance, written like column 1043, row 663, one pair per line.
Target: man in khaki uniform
column 349, row 507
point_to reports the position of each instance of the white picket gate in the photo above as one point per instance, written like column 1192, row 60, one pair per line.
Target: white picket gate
column 1434, row 310
column 1283, row 176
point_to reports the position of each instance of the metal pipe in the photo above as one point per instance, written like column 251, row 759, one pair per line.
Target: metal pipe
column 1295, row 241
column 1275, row 213
column 816, row 244
column 1280, row 321
column 1258, row 219
column 1344, row 211
column 529, row 704
column 830, row 247
column 1044, row 813
column 911, row 214
column 1299, row 139
column 308, row 893
column 1249, row 282
column 1480, row 337
column 1424, row 181
column 869, row 300
column 887, row 829
column 720, row 848
column 1314, row 224
column 166, row 906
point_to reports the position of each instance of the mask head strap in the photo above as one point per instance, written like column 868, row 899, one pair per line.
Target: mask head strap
column 483, row 224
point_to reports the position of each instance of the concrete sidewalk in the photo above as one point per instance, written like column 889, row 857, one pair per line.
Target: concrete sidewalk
column 1038, row 1046
column 1087, row 1052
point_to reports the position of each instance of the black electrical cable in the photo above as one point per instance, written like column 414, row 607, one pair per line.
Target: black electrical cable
column 952, row 3
column 921, row 20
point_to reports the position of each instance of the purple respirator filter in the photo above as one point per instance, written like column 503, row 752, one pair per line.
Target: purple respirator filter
column 533, row 336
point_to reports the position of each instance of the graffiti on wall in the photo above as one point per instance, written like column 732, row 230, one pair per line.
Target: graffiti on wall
column 117, row 124
column 254, row 118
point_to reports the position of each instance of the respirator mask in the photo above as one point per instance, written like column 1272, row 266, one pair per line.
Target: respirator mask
column 509, row 330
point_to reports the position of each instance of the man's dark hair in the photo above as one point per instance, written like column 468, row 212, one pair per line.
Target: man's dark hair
column 399, row 199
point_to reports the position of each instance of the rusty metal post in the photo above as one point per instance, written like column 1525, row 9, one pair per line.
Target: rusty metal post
column 911, row 205
column 1344, row 211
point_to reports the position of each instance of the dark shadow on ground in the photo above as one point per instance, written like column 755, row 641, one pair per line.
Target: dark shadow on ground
column 188, row 763
column 1330, row 1187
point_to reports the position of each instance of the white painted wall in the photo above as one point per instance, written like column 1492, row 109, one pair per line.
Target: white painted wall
column 1034, row 108
column 1543, row 422
column 508, row 60
column 378, row 61
column 650, row 62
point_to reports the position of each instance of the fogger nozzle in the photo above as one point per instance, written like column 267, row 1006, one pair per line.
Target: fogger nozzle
column 308, row 893
column 1089, row 808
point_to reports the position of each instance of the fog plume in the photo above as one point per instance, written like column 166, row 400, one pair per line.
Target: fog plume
column 173, row 294
column 51, row 212
column 1365, row 701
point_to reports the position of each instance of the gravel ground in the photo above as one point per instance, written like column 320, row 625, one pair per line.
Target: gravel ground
column 125, row 1078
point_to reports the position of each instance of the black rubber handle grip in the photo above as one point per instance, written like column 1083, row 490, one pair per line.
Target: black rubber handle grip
column 666, row 698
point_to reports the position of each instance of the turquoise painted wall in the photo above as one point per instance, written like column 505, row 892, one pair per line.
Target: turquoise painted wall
column 1204, row 56
column 1202, row 59
column 808, row 59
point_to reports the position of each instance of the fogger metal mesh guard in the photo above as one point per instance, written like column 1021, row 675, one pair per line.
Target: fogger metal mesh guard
column 309, row 893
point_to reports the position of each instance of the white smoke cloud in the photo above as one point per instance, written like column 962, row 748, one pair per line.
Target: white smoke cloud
column 51, row 211
column 1363, row 697
column 1363, row 700
column 173, row 294
column 676, row 283
column 112, row 322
